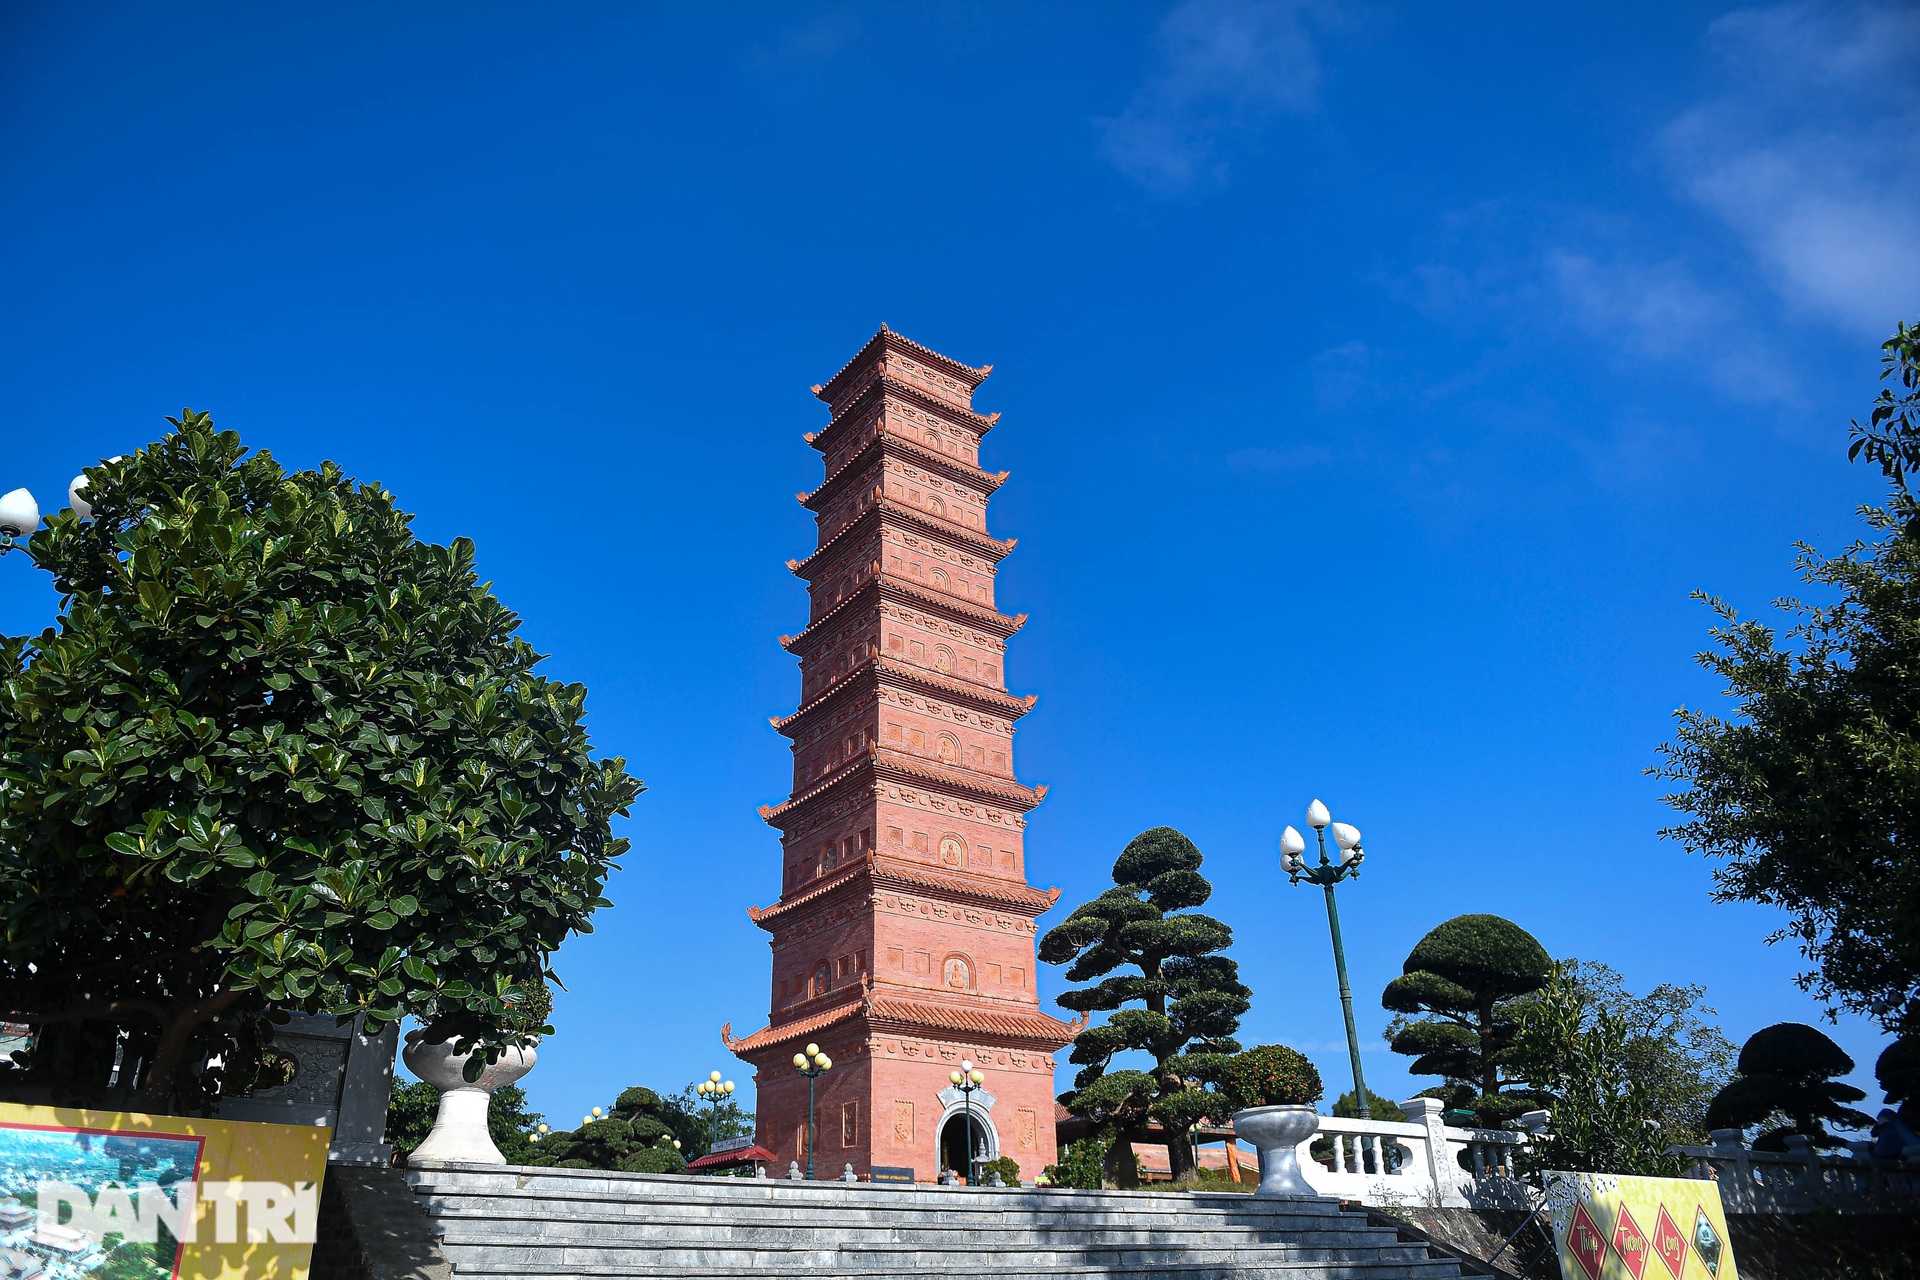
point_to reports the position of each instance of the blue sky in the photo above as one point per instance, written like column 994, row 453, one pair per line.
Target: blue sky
column 1378, row 382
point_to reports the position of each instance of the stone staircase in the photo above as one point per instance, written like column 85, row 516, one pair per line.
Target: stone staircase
column 518, row 1222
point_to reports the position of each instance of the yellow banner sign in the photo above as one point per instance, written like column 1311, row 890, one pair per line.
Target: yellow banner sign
column 1617, row 1227
column 140, row 1197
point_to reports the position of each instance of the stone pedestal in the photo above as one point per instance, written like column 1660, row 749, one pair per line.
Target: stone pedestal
column 1277, row 1134
column 460, row 1128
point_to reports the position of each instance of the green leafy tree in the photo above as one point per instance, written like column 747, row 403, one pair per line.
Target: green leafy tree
column 1080, row 1166
column 696, row 1125
column 1180, row 1006
column 276, row 753
column 1606, row 1114
column 1379, row 1108
column 1675, row 1051
column 1462, row 979
column 414, row 1103
column 1808, row 794
column 637, row 1136
column 1787, row 1081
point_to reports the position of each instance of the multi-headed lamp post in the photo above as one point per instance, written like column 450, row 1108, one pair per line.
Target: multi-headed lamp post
column 812, row 1064
column 20, row 514
column 966, row 1080
column 716, row 1091
column 1329, row 873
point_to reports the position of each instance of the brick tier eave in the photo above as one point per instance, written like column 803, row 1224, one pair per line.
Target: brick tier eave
column 902, row 590
column 875, row 671
column 880, row 874
column 879, row 762
column 886, row 440
column 992, row 550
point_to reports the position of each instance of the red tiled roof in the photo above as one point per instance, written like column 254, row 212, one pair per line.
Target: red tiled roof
column 723, row 1159
column 1016, row 1024
column 903, row 1013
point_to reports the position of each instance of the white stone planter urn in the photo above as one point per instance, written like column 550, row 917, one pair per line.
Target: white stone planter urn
column 460, row 1128
column 1276, row 1133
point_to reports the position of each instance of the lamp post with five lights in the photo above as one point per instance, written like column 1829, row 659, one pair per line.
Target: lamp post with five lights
column 1327, row 874
column 812, row 1064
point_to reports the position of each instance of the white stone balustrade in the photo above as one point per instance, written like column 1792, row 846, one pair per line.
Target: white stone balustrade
column 1419, row 1164
column 1801, row 1179
column 1416, row 1163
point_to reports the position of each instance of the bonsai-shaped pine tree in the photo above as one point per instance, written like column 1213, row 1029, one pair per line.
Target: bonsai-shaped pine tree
column 637, row 1137
column 1787, row 1071
column 1898, row 1072
column 1462, row 978
column 1180, row 1006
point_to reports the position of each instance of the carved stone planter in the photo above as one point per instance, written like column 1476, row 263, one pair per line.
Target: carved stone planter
column 460, row 1127
column 1276, row 1133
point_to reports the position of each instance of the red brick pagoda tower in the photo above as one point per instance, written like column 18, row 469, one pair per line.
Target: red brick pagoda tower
column 903, row 940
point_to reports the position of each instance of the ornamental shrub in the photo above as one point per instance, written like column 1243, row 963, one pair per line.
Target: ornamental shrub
column 1080, row 1165
column 1269, row 1075
column 1006, row 1166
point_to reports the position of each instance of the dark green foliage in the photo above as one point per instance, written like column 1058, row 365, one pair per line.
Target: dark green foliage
column 1267, row 1075
column 1080, row 1165
column 278, row 753
column 637, row 1136
column 1381, row 1108
column 1464, row 977
column 1787, row 1072
column 1006, row 1166
column 1605, row 1112
column 1898, row 1072
column 414, row 1103
column 1180, row 1008
column 1808, row 795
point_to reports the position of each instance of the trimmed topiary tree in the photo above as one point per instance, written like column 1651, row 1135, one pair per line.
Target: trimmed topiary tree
column 1787, row 1074
column 1267, row 1075
column 1898, row 1072
column 637, row 1136
column 1461, row 979
column 1187, row 999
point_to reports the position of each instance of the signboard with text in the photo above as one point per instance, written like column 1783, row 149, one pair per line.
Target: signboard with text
column 1620, row 1227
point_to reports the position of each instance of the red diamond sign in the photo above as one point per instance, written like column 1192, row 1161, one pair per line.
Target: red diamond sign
column 1668, row 1244
column 1588, row 1245
column 1630, row 1243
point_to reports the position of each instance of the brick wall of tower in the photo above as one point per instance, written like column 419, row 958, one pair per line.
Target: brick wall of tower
column 903, row 774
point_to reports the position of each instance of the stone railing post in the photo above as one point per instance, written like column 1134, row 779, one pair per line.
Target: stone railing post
column 1730, row 1152
column 1813, row 1178
column 1446, row 1175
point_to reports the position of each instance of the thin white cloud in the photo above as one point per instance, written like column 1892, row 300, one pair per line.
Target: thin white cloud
column 1658, row 311
column 1810, row 153
column 1221, row 67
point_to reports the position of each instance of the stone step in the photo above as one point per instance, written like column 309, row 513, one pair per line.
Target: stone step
column 502, row 1223
column 1004, row 1269
column 594, row 1184
column 790, row 1243
column 790, row 1234
column 846, row 1218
